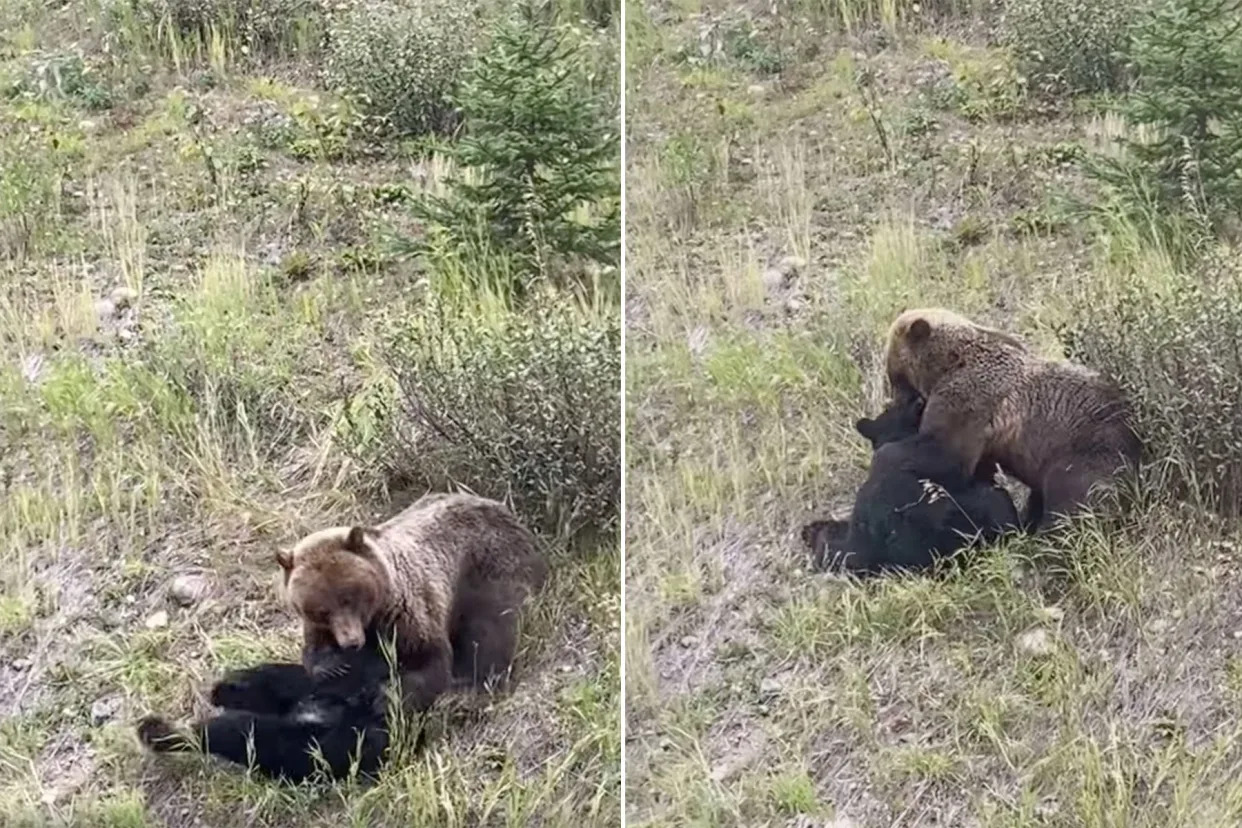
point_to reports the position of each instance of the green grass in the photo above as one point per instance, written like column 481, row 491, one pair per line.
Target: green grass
column 195, row 274
column 1050, row 683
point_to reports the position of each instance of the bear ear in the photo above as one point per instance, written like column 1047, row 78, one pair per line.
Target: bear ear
column 919, row 330
column 284, row 559
column 356, row 540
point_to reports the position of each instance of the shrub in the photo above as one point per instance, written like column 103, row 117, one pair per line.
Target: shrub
column 400, row 60
column 514, row 406
column 1071, row 45
column 1185, row 109
column 542, row 153
column 1172, row 343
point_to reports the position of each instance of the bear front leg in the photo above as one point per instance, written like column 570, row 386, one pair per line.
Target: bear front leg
column 962, row 431
column 268, row 688
column 426, row 675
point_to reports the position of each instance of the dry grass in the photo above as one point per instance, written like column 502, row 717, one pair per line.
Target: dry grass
column 192, row 421
column 1088, row 683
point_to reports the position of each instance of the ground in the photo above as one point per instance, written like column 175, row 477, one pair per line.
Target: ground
column 194, row 270
column 792, row 185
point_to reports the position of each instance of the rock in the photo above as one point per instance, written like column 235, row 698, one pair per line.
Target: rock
column 688, row 641
column 157, row 620
column 1036, row 641
column 104, row 709
column 1052, row 613
column 770, row 688
column 1158, row 625
column 758, row 90
column 187, row 590
column 21, row 665
column 793, row 304
column 122, row 296
column 773, row 279
column 791, row 266
column 105, row 309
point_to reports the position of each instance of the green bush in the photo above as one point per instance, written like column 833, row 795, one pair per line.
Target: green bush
column 524, row 407
column 542, row 152
column 1185, row 110
column 1071, row 45
column 1172, row 343
column 402, row 60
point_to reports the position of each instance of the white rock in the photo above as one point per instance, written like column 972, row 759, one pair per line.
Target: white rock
column 773, row 279
column 122, row 296
column 791, row 266
column 186, row 590
column 157, row 620
column 1036, row 641
column 105, row 309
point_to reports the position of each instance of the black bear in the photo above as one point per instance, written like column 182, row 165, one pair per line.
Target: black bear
column 287, row 716
column 916, row 506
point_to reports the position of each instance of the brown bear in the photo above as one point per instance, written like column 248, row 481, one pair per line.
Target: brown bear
column 446, row 576
column 1058, row 427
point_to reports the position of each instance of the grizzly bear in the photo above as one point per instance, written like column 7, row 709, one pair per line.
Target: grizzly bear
column 277, row 717
column 916, row 506
column 1058, row 427
column 446, row 577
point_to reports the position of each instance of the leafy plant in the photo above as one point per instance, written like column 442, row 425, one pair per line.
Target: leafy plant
column 538, row 167
column 1071, row 45
column 517, row 406
column 1172, row 344
column 402, row 61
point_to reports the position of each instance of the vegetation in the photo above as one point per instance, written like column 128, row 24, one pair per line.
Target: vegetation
column 205, row 338
column 778, row 220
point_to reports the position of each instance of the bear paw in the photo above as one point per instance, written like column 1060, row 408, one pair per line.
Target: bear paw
column 156, row 733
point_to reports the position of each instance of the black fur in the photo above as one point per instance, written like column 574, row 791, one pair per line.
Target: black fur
column 290, row 714
column 915, row 507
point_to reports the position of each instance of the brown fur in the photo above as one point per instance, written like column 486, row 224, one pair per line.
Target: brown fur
column 447, row 576
column 1056, row 426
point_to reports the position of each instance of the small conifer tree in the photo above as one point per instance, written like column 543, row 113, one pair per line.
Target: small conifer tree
column 1186, row 108
column 543, row 151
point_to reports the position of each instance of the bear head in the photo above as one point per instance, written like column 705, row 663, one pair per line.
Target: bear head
column 897, row 422
column 925, row 344
column 336, row 582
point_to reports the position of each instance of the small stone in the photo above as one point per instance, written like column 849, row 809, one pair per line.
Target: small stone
column 793, row 304
column 21, row 665
column 757, row 89
column 122, row 296
column 773, row 279
column 1052, row 613
column 105, row 309
column 104, row 709
column 791, row 266
column 157, row 620
column 187, row 590
column 688, row 641
column 769, row 688
column 1036, row 641
column 1158, row 625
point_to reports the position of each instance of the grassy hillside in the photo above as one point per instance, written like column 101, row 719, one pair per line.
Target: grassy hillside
column 204, row 291
column 798, row 174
